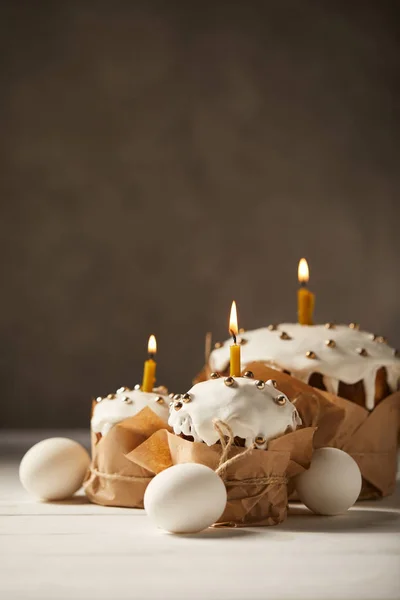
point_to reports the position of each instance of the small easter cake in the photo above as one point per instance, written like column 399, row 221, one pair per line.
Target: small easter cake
column 120, row 423
column 254, row 410
column 340, row 359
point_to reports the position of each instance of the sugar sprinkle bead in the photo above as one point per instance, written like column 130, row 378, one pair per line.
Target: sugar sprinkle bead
column 137, row 387
column 281, row 400
column 272, row 327
column 99, row 398
column 229, row 381
column 311, row 354
column 123, row 389
column 178, row 405
column 362, row 352
column 373, row 337
column 260, row 384
column 260, row 440
column 171, row 404
column 161, row 389
column 217, row 345
column 186, row 397
column 354, row 325
column 381, row 340
column 248, row 374
column 160, row 400
column 242, row 341
column 330, row 343
column 241, row 330
column 111, row 396
column 177, row 396
column 330, row 325
column 215, row 375
column 171, row 395
column 285, row 336
column 126, row 400
column 272, row 382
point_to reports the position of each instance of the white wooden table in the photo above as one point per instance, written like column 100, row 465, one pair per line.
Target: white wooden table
column 79, row 550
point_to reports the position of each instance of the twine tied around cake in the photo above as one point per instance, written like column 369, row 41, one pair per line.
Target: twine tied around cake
column 117, row 476
column 224, row 431
column 227, row 438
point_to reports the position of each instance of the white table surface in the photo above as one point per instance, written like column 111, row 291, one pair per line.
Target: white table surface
column 76, row 550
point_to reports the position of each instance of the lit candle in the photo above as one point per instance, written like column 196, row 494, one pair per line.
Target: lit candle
column 305, row 298
column 149, row 372
column 235, row 348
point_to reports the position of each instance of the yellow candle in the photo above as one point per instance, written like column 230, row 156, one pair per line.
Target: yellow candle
column 149, row 372
column 305, row 298
column 235, row 348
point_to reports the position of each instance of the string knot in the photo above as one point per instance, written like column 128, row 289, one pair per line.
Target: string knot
column 226, row 437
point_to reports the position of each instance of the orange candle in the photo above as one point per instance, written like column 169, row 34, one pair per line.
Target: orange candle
column 305, row 298
column 235, row 348
column 149, row 371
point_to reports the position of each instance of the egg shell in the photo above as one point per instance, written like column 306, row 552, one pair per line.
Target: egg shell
column 54, row 469
column 332, row 484
column 185, row 498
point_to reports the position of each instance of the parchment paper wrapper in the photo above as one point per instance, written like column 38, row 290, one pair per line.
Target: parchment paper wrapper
column 256, row 484
column 112, row 479
column 369, row 437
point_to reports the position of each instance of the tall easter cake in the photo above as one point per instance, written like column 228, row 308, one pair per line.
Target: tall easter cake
column 340, row 359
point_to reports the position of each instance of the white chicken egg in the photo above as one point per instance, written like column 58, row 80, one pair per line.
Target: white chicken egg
column 332, row 484
column 185, row 498
column 54, row 469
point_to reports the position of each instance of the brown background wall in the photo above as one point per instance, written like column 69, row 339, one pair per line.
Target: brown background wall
column 160, row 159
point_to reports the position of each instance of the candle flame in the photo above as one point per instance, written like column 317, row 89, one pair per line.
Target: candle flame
column 152, row 345
column 233, row 320
column 303, row 271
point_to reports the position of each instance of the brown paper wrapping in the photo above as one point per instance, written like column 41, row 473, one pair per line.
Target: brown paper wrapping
column 112, row 479
column 369, row 437
column 256, row 484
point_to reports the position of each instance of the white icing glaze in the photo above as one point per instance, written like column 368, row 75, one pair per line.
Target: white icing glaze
column 249, row 412
column 341, row 363
column 109, row 412
column 331, row 384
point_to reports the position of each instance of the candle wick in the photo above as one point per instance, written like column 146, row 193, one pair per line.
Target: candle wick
column 303, row 284
column 233, row 335
column 151, row 355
